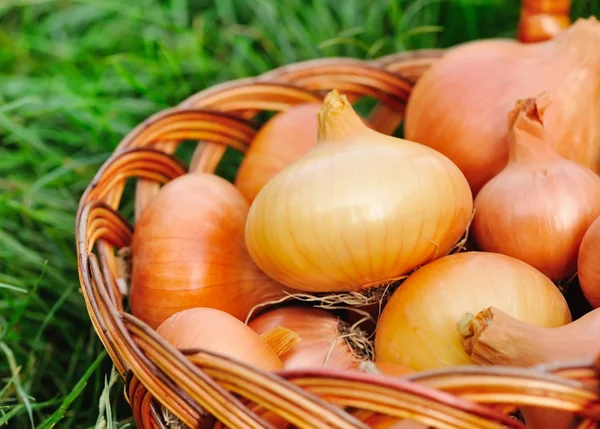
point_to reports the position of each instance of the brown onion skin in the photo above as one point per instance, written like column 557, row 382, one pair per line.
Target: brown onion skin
column 588, row 264
column 538, row 208
column 318, row 331
column 218, row 332
column 285, row 138
column 189, row 251
column 459, row 105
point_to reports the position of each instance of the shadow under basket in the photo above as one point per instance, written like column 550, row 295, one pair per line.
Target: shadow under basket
column 164, row 385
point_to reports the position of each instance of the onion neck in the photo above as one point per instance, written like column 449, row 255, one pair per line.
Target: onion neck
column 337, row 120
column 528, row 141
column 492, row 337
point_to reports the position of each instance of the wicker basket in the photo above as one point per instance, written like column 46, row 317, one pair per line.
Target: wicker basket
column 212, row 391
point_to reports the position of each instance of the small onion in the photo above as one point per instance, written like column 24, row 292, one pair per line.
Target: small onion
column 588, row 268
column 285, row 138
column 189, row 251
column 325, row 340
column 540, row 205
column 355, row 212
column 418, row 326
column 218, row 332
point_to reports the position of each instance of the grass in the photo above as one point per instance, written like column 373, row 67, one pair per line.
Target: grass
column 75, row 76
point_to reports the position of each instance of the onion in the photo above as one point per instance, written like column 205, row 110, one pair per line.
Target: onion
column 189, row 251
column 417, row 327
column 353, row 213
column 459, row 105
column 588, row 269
column 326, row 341
column 540, row 205
column 282, row 140
column 218, row 332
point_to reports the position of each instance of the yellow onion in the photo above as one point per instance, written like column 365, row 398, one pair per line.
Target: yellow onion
column 326, row 341
column 418, row 326
column 189, row 251
column 359, row 210
column 588, row 267
column 459, row 106
column 285, row 138
column 218, row 332
column 538, row 208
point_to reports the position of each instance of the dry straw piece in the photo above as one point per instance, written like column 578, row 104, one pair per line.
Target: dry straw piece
column 167, row 387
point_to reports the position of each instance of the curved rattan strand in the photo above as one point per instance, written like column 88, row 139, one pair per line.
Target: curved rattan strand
column 497, row 385
column 195, row 383
column 259, row 95
column 97, row 316
column 216, row 128
column 101, row 222
column 410, row 64
column 153, row 380
column 280, row 89
column 244, row 98
column 106, row 230
column 188, row 123
column 225, row 98
column 246, row 382
column 406, row 393
column 146, row 163
column 110, row 272
column 273, row 393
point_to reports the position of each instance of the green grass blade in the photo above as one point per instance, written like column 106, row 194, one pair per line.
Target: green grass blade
column 52, row 420
column 16, row 380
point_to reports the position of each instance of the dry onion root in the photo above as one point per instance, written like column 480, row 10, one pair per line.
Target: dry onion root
column 351, row 214
column 188, row 251
column 459, row 105
column 424, row 311
column 538, row 208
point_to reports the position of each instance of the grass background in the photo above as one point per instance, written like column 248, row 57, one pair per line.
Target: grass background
column 75, row 76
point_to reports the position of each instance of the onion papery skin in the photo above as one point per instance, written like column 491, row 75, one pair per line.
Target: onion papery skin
column 459, row 105
column 359, row 210
column 321, row 343
column 390, row 369
column 538, row 208
column 588, row 264
column 285, row 138
column 418, row 326
column 218, row 332
column 188, row 251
